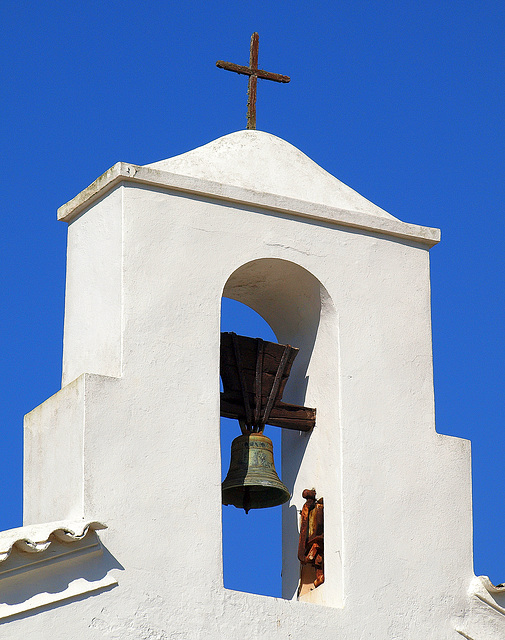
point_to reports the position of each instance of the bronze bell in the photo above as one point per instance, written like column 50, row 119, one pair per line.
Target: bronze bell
column 252, row 482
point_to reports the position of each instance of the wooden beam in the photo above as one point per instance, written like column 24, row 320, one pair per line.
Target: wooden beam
column 286, row 416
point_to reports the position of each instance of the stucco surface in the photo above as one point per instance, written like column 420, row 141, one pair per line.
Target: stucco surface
column 398, row 528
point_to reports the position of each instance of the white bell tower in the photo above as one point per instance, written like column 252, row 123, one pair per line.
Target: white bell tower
column 131, row 442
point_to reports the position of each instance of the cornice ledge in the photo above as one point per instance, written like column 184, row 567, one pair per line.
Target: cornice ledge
column 123, row 172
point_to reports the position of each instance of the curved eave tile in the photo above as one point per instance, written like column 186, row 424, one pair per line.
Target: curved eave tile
column 37, row 538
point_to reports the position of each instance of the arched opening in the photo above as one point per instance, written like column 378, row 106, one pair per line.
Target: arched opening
column 299, row 311
column 249, row 564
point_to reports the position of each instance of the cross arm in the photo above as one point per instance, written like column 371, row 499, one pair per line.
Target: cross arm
column 231, row 66
column 247, row 71
column 276, row 77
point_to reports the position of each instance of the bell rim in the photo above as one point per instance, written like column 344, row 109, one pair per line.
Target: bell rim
column 281, row 497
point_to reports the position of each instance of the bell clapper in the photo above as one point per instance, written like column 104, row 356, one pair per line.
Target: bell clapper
column 246, row 503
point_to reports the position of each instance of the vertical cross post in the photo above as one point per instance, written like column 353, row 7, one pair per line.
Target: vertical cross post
column 253, row 82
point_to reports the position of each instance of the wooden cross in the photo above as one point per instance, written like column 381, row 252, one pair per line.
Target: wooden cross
column 254, row 73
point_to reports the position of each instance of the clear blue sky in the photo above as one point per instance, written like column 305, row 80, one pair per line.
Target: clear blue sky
column 403, row 101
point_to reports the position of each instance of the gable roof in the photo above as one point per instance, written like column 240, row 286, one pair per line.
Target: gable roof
column 258, row 160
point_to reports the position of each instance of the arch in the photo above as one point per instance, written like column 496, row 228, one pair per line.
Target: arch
column 300, row 311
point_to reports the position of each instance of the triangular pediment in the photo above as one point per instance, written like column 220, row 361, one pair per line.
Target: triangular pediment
column 263, row 162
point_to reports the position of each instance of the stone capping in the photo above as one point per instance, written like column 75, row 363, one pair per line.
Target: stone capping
column 37, row 538
column 123, row 172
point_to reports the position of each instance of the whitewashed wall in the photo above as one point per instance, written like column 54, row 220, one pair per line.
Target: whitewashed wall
column 150, row 255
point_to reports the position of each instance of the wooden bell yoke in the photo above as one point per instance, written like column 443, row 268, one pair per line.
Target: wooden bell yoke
column 254, row 373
